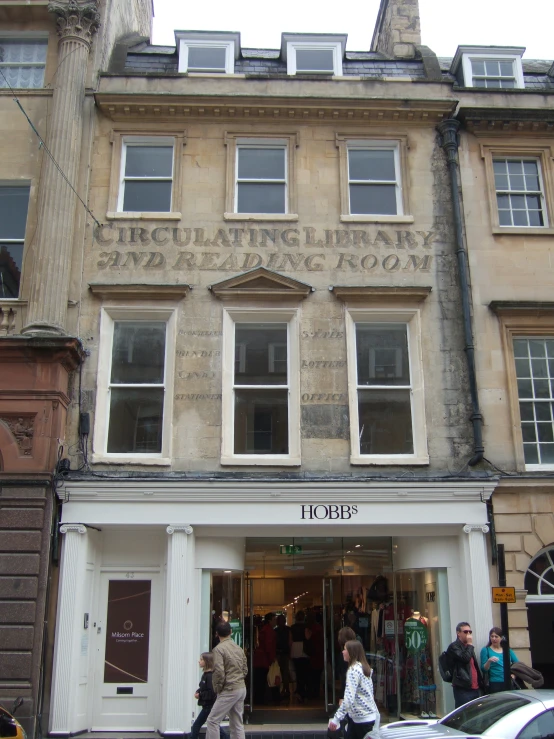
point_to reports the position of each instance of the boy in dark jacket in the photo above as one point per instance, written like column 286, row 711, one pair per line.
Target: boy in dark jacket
column 467, row 680
column 205, row 695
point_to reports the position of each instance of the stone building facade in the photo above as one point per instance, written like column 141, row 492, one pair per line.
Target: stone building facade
column 276, row 405
column 46, row 63
column 510, row 240
column 276, row 367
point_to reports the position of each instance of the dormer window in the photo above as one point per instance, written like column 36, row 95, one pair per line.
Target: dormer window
column 207, row 52
column 316, row 54
column 489, row 67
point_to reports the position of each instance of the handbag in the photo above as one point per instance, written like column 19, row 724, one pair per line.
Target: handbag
column 274, row 675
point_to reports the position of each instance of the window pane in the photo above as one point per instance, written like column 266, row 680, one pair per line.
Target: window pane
column 11, row 259
column 261, row 357
column 526, row 411
column 479, row 82
column 138, row 353
column 147, row 197
column 135, row 420
column 506, row 69
column 521, row 348
column 523, row 367
column 14, row 202
column 492, row 68
column 261, row 422
column 382, row 354
column 545, row 432
column 528, row 432
column 260, row 198
column 261, row 164
column 542, row 411
column 385, row 419
column 547, row 453
column 373, row 199
column 525, row 388
column 531, row 453
column 149, row 161
column 314, row 60
column 371, row 164
column 508, row 84
column 478, row 67
column 201, row 57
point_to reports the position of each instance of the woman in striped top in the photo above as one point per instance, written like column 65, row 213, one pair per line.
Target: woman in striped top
column 358, row 703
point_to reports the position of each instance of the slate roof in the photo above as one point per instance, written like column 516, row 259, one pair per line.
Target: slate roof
column 144, row 59
column 155, row 60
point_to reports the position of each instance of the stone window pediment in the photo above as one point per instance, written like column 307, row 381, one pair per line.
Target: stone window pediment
column 261, row 283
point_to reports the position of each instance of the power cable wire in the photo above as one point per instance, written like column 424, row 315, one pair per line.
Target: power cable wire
column 47, row 150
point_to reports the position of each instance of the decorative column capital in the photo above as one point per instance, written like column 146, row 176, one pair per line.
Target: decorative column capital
column 76, row 18
column 482, row 527
column 185, row 528
column 73, row 528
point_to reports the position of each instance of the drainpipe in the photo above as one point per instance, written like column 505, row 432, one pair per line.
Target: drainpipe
column 449, row 142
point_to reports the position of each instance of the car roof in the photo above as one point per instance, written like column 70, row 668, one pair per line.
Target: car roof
column 542, row 694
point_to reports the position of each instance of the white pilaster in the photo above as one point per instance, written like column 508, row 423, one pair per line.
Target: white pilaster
column 68, row 628
column 178, row 629
column 478, row 583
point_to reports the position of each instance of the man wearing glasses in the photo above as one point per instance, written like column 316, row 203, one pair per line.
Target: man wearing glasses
column 467, row 680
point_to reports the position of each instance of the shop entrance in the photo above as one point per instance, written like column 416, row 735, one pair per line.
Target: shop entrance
column 289, row 604
column 314, row 586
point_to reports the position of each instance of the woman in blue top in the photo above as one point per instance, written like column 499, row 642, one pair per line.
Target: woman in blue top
column 492, row 660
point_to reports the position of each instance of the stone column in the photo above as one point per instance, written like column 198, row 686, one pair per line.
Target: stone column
column 78, row 21
column 176, row 702
column 68, row 628
column 478, row 583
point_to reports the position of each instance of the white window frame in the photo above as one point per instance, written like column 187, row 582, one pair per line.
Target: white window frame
column 411, row 318
column 109, row 315
column 540, row 192
column 136, row 141
column 186, row 44
column 231, row 317
column 281, row 145
column 30, row 38
column 466, row 55
column 535, row 150
column 27, row 185
column 232, row 141
column 379, row 140
column 535, row 401
column 364, row 145
column 334, row 46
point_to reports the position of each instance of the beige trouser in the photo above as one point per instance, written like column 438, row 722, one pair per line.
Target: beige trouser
column 229, row 702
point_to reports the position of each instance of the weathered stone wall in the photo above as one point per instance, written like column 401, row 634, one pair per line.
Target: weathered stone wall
column 318, row 249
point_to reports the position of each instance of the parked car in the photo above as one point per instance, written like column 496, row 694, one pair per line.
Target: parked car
column 10, row 728
column 515, row 714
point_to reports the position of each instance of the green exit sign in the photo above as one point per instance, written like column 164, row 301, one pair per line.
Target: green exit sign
column 290, row 549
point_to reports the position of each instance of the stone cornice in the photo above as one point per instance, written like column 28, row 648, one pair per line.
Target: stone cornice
column 139, row 292
column 522, row 308
column 78, row 19
column 498, row 121
column 168, row 106
column 526, row 484
column 399, row 493
column 385, row 293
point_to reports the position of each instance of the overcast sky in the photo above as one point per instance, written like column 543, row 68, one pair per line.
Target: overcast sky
column 444, row 23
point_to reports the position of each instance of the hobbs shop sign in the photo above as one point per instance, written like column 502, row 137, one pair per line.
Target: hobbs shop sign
column 332, row 511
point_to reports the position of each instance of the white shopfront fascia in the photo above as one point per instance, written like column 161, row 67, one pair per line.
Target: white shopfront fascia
column 198, row 524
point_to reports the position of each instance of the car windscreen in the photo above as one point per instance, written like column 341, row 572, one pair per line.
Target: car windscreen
column 478, row 716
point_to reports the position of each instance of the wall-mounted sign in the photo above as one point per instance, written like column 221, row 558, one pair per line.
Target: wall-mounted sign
column 127, row 631
column 333, row 511
column 504, row 595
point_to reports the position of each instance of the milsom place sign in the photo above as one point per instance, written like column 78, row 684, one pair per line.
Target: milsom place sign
column 236, row 249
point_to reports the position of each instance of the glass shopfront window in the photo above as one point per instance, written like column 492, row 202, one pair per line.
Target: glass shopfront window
column 318, row 585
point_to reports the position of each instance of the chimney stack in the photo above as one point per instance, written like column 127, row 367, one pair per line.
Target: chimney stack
column 398, row 30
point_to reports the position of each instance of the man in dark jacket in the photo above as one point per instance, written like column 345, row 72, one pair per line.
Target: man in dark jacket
column 467, row 680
